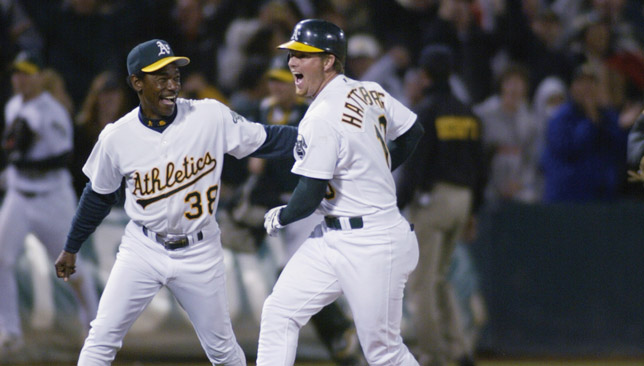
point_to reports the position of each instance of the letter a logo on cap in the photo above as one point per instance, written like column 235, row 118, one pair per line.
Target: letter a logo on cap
column 164, row 48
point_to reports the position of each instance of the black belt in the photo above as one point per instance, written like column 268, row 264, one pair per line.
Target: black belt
column 334, row 222
column 174, row 242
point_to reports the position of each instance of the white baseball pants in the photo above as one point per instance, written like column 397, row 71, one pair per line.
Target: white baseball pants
column 48, row 216
column 194, row 275
column 370, row 266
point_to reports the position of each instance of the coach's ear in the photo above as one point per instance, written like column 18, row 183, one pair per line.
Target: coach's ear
column 135, row 83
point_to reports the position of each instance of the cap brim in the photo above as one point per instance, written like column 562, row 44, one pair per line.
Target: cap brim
column 299, row 46
column 180, row 60
column 281, row 75
column 26, row 67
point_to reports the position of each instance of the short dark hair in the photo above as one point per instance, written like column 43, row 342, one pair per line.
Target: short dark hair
column 139, row 75
column 338, row 65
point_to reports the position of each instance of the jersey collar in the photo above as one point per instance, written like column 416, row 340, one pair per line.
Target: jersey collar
column 157, row 124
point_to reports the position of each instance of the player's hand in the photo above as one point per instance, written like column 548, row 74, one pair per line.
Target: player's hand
column 65, row 265
column 272, row 221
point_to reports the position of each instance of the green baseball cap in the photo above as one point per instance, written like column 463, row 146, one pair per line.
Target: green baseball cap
column 28, row 62
column 151, row 56
column 279, row 70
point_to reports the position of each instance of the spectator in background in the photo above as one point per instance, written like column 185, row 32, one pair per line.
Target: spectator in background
column 594, row 46
column 40, row 198
column 619, row 61
column 254, row 37
column 363, row 50
column 443, row 183
column 196, row 86
column 414, row 85
column 388, row 70
column 252, row 88
column 80, row 43
column 105, row 102
column 510, row 137
column 624, row 16
column 455, row 24
column 585, row 145
column 193, row 38
column 17, row 32
column 245, row 100
column 532, row 34
column 549, row 96
column 54, row 83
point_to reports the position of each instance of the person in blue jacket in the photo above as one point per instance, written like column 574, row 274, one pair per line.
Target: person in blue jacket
column 584, row 156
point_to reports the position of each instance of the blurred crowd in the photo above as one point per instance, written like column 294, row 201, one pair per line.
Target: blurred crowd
column 516, row 62
column 556, row 84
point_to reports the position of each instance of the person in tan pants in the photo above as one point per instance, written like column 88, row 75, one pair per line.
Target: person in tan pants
column 442, row 186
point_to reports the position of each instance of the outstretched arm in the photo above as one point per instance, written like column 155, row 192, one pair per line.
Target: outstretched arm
column 92, row 209
column 278, row 144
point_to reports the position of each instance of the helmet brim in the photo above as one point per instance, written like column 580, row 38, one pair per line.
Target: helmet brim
column 299, row 46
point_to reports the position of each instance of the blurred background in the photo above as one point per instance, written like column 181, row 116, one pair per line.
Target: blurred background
column 555, row 267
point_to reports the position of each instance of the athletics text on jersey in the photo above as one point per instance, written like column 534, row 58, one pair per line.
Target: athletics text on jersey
column 172, row 177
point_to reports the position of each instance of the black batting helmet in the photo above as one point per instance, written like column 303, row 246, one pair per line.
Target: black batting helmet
column 317, row 36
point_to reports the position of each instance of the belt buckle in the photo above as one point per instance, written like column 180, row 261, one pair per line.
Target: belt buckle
column 175, row 242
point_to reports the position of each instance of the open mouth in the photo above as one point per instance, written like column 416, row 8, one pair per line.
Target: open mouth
column 169, row 101
column 298, row 78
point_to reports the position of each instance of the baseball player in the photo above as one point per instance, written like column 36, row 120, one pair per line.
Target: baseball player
column 274, row 185
column 169, row 151
column 350, row 139
column 39, row 199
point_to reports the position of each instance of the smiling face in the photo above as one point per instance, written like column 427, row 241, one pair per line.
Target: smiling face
column 158, row 91
column 311, row 71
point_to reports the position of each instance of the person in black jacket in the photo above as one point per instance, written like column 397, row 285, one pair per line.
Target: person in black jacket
column 442, row 183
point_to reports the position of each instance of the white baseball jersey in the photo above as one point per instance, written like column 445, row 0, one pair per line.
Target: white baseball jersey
column 172, row 177
column 348, row 146
column 342, row 139
column 52, row 126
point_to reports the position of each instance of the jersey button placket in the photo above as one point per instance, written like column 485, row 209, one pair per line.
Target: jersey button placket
column 164, row 148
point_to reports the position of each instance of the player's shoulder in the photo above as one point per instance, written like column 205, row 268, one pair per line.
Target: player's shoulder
column 200, row 104
column 121, row 125
column 357, row 84
column 207, row 111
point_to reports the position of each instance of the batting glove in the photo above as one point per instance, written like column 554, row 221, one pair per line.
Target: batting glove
column 272, row 221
